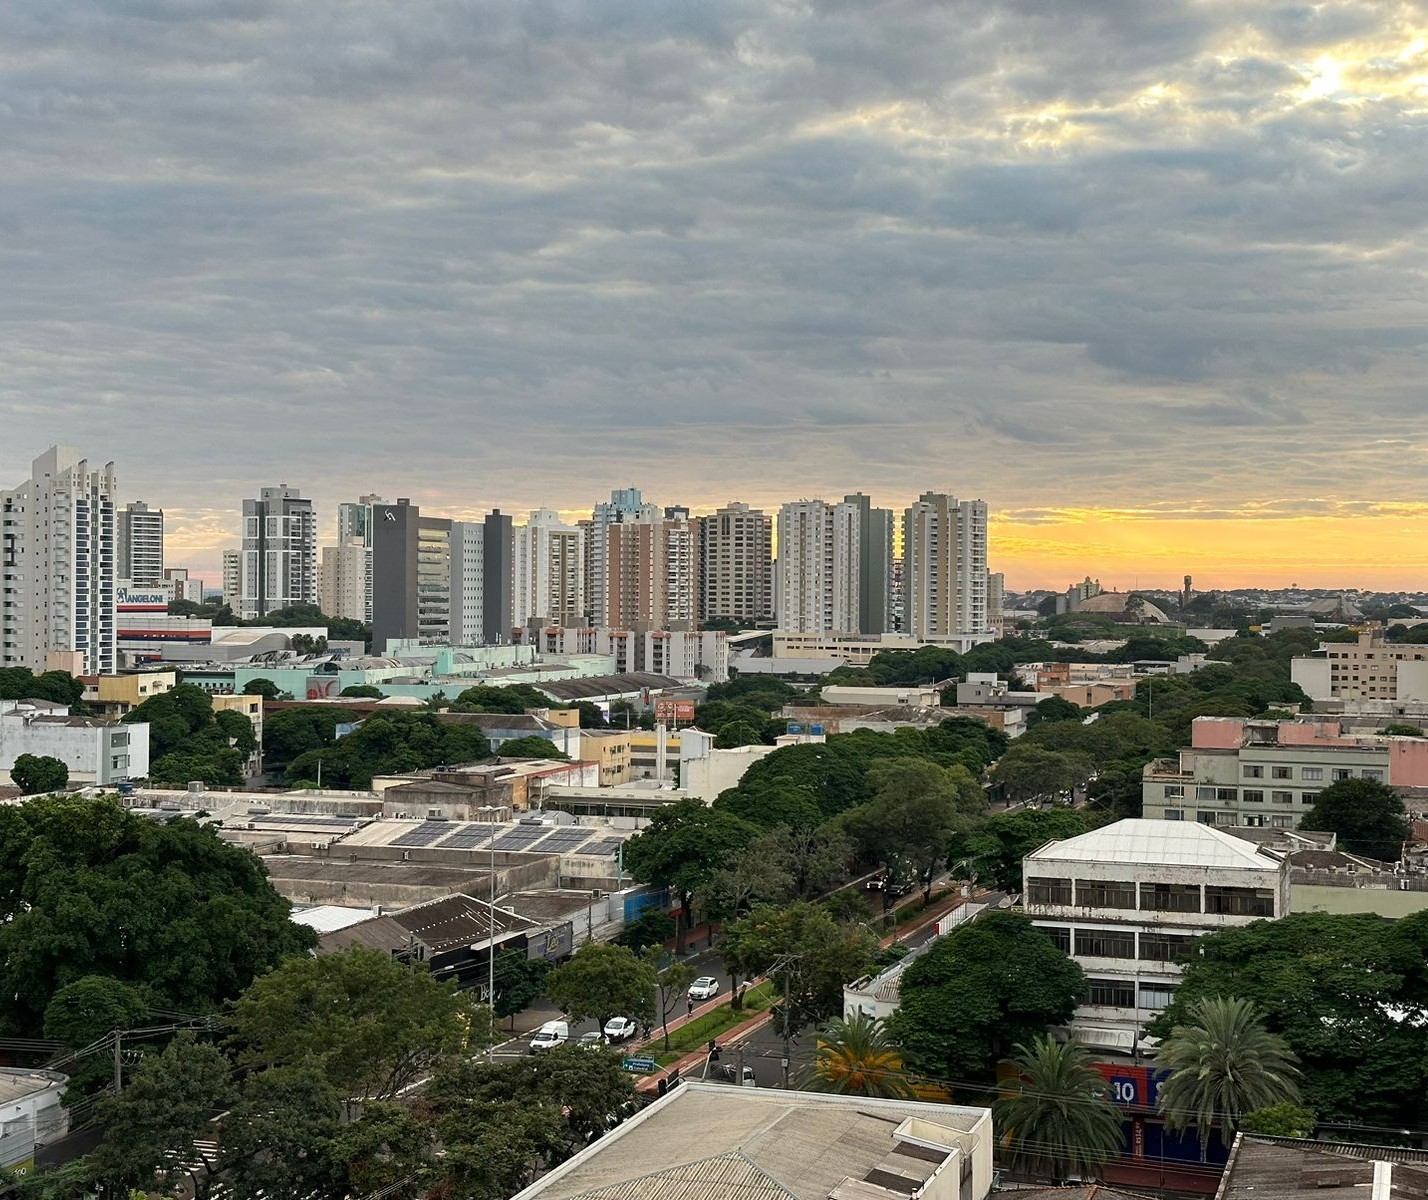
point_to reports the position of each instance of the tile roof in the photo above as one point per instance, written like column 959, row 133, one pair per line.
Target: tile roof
column 1265, row 1168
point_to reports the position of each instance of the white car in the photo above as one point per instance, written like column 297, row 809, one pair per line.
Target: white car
column 550, row 1035
column 591, row 1041
column 706, row 987
column 619, row 1029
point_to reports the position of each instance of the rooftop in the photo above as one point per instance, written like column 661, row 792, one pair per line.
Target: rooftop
column 709, row 1142
column 1264, row 1168
column 15, row 1084
column 568, row 690
column 1165, row 843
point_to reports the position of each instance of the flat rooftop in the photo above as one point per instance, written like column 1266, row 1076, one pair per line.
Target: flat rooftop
column 710, row 1141
column 16, row 1085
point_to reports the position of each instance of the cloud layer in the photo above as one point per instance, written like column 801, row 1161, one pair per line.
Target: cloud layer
column 1112, row 254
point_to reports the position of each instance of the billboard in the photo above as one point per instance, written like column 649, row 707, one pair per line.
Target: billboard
column 674, row 711
column 136, row 600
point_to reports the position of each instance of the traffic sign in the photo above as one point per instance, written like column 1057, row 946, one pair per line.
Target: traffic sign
column 639, row 1064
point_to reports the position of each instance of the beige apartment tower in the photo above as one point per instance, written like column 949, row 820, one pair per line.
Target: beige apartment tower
column 944, row 554
column 736, row 566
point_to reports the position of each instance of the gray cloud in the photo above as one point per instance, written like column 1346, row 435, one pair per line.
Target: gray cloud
column 518, row 254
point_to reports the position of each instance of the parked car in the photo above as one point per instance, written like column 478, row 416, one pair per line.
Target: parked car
column 743, row 1076
column 592, row 1040
column 706, row 987
column 550, row 1035
column 619, row 1029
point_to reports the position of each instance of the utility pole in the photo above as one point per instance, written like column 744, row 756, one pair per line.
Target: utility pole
column 118, row 1061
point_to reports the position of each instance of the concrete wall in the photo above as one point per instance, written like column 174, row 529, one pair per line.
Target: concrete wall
column 1386, row 902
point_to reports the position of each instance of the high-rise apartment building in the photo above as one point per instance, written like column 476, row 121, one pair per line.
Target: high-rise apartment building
column 57, row 564
column 498, row 588
column 944, row 556
column 652, row 573
column 625, row 504
column 549, row 571
column 140, row 534
column 278, row 561
column 232, row 578
column 818, row 574
column 736, row 566
column 427, row 577
column 344, row 587
column 875, row 556
column 354, row 527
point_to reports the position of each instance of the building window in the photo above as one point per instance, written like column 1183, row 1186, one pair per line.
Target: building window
column 1309, row 798
column 1283, row 772
column 1170, row 897
column 1156, row 995
column 1311, row 774
column 1174, row 814
column 1059, row 935
column 1281, row 822
column 1282, row 797
column 1205, row 818
column 1105, row 943
column 1253, row 771
column 1110, row 993
column 1342, row 773
column 1048, row 891
column 1374, row 774
column 1253, row 795
column 1165, row 947
column 1239, row 902
column 1174, row 791
column 1204, row 793
column 1105, row 893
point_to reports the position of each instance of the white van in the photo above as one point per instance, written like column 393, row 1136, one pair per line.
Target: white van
column 551, row 1035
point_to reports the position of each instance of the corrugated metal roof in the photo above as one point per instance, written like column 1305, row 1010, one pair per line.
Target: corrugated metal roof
column 716, row 1178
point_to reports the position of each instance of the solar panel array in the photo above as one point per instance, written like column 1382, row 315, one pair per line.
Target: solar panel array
column 564, row 841
column 604, row 848
column 468, row 837
column 424, row 834
column 520, row 838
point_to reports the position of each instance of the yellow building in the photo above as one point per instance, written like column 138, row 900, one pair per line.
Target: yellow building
column 654, row 753
column 612, row 750
column 117, row 695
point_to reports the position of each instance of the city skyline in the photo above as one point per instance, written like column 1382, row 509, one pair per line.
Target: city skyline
column 1147, row 278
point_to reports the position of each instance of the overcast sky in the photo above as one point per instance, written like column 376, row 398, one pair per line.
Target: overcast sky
column 1146, row 275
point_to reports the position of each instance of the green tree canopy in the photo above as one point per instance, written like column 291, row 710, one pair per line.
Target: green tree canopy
column 1368, row 817
column 390, row 743
column 512, row 698
column 682, row 847
column 855, row 1057
column 1222, row 1063
column 188, row 740
column 262, row 687
column 603, row 980
column 167, row 1105
column 531, row 747
column 519, row 980
column 369, row 1023
column 362, row 691
column 88, row 888
column 1028, row 772
column 58, row 687
column 994, row 848
column 916, row 808
column 985, row 987
column 811, row 956
column 35, row 773
column 1055, row 1112
column 1334, row 986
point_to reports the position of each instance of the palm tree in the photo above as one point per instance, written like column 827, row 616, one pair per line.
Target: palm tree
column 1223, row 1064
column 855, row 1058
column 1055, row 1115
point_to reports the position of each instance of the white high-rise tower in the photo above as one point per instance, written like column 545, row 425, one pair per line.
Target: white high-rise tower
column 57, row 564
